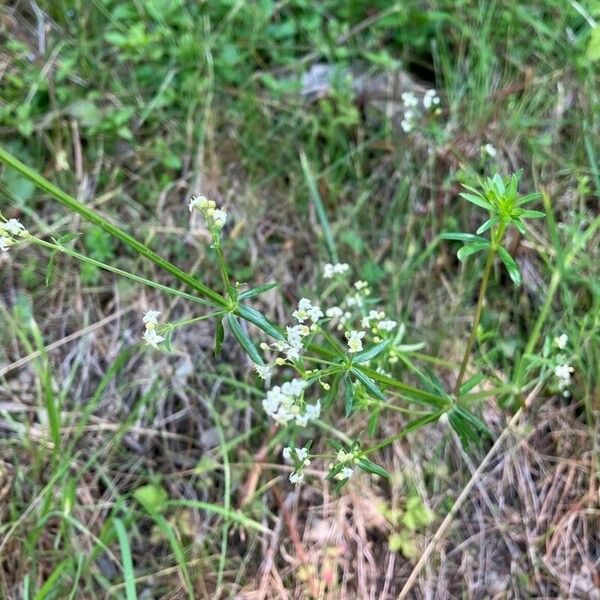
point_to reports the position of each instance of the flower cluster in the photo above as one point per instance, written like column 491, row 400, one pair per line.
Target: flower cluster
column 151, row 337
column 563, row 370
column 299, row 458
column 413, row 112
column 376, row 321
column 346, row 459
column 330, row 271
column 355, row 339
column 284, row 404
column 10, row 231
column 293, row 346
column 214, row 217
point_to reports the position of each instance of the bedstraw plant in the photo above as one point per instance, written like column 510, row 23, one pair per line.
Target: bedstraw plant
column 336, row 347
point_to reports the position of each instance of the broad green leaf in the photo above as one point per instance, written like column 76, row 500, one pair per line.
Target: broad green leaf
column 369, row 384
column 370, row 467
column 511, row 265
column 252, row 315
column 244, row 340
column 470, row 249
column 478, row 200
column 371, row 353
column 152, row 497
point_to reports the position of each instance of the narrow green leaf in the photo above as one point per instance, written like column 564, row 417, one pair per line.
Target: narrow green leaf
column 348, row 396
column 48, row 586
column 368, row 383
column 261, row 289
column 473, row 420
column 315, row 197
column 461, row 237
column 478, row 200
column 472, row 248
column 219, row 335
column 511, row 265
column 372, row 352
column 370, row 467
column 373, row 422
column 533, row 214
column 127, row 562
column 252, row 315
column 470, row 383
column 487, row 225
column 244, row 341
column 332, row 392
column 528, row 198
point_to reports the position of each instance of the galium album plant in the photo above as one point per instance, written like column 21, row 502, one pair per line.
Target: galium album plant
column 337, row 347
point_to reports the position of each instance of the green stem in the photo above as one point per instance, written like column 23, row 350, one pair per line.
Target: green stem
column 489, row 263
column 103, row 223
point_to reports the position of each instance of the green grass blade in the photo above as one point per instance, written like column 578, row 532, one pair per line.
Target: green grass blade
column 319, row 208
column 128, row 573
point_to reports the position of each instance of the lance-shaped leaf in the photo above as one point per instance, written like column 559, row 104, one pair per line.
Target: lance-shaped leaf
column 370, row 467
column 477, row 200
column 471, row 248
column 369, row 384
column 244, row 340
column 348, row 396
column 372, row 352
column 511, row 265
column 252, row 315
column 219, row 335
column 261, row 289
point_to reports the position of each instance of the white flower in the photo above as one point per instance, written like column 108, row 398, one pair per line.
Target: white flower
column 388, row 325
column 345, row 473
column 335, row 312
column 355, row 340
column 5, row 243
column 152, row 338
column 296, row 477
column 307, row 310
column 151, row 318
column 409, row 99
column 361, row 285
column 430, row 99
column 287, row 454
column 330, row 271
column 302, row 454
column 561, row 341
column 14, row 227
column 563, row 371
column 219, row 217
column 343, row 456
column 489, row 150
column 215, row 217
column 281, row 402
column 264, row 371
column 313, row 411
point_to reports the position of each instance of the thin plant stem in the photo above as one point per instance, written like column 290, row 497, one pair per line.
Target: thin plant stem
column 489, row 263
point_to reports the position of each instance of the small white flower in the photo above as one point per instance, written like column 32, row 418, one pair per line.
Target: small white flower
column 287, row 454
column 302, row 454
column 313, row 411
column 330, row 271
column 335, row 312
column 14, row 227
column 561, row 341
column 388, row 325
column 345, row 473
column 430, row 99
column 489, row 150
column 264, row 371
column 361, row 285
column 199, row 202
column 152, row 338
column 355, row 341
column 151, row 318
column 296, row 477
column 219, row 218
column 409, row 99
column 563, row 372
column 5, row 243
